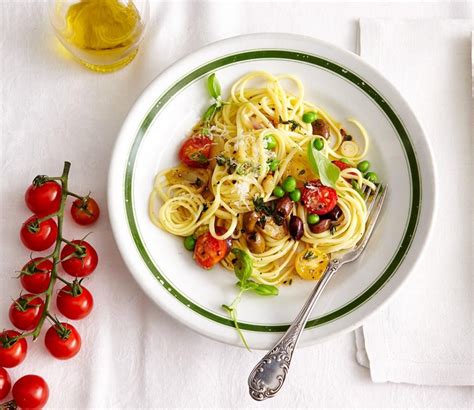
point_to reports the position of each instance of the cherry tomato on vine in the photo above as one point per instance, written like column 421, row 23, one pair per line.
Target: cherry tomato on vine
column 74, row 302
column 43, row 197
column 209, row 251
column 12, row 350
column 38, row 236
column 85, row 211
column 195, row 151
column 36, row 274
column 318, row 198
column 25, row 312
column 30, row 392
column 5, row 383
column 63, row 341
column 83, row 261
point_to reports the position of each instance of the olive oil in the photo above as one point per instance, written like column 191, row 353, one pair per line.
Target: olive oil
column 103, row 34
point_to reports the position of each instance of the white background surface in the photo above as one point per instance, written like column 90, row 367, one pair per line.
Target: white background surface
column 133, row 354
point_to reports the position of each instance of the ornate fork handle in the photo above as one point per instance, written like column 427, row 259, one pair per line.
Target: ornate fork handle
column 268, row 376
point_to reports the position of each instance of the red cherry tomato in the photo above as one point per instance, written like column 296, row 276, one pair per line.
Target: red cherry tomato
column 317, row 198
column 84, row 259
column 25, row 312
column 36, row 274
column 43, row 197
column 209, row 250
column 63, row 342
column 5, row 383
column 12, row 352
column 195, row 152
column 38, row 236
column 85, row 211
column 341, row 165
column 30, row 392
column 74, row 302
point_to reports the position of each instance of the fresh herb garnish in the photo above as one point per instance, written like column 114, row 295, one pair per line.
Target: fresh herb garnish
column 198, row 182
column 356, row 187
column 221, row 159
column 214, row 89
column 243, row 268
column 327, row 171
column 309, row 255
column 294, row 124
column 261, row 206
column 199, row 157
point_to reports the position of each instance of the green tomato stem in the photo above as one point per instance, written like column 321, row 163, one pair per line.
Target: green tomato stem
column 55, row 255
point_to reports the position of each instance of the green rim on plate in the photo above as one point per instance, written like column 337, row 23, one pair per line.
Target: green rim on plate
column 308, row 59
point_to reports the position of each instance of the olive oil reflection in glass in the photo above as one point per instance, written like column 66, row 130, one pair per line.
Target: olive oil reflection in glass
column 103, row 34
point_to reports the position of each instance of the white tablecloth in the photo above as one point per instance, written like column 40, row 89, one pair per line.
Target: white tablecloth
column 133, row 354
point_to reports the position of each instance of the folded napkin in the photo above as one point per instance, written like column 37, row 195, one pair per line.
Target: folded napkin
column 425, row 335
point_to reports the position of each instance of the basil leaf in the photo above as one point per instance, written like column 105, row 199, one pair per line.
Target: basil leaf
column 243, row 266
column 249, row 285
column 266, row 290
column 327, row 171
column 209, row 113
column 213, row 86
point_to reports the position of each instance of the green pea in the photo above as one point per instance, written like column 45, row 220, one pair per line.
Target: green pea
column 309, row 117
column 279, row 192
column 318, row 144
column 363, row 166
column 295, row 195
column 289, row 184
column 313, row 219
column 372, row 177
column 270, row 141
column 345, row 160
column 273, row 165
column 189, row 243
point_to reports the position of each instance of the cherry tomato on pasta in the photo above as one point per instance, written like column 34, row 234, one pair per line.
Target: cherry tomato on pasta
column 36, row 275
column 317, row 198
column 195, row 151
column 85, row 211
column 209, row 251
column 12, row 350
column 43, row 197
column 37, row 235
column 30, row 392
column 341, row 165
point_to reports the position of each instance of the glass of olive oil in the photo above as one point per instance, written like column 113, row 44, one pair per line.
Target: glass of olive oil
column 103, row 34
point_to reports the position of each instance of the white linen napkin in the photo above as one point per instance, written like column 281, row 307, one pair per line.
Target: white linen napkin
column 425, row 335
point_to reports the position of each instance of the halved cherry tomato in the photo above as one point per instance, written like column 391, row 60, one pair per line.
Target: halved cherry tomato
column 195, row 152
column 85, row 211
column 30, row 392
column 209, row 250
column 79, row 261
column 317, row 198
column 38, row 236
column 74, row 302
column 26, row 311
column 63, row 341
column 36, row 275
column 5, row 383
column 12, row 352
column 43, row 197
column 341, row 165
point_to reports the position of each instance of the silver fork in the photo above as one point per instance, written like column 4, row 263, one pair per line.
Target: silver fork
column 268, row 376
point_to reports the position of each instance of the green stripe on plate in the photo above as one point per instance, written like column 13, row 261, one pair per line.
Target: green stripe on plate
column 308, row 59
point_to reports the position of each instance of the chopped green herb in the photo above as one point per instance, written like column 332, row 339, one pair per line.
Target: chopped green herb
column 309, row 255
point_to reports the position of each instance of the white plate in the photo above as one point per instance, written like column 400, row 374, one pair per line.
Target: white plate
column 346, row 87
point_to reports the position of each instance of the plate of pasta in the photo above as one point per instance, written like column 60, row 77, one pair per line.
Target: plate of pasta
column 245, row 167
